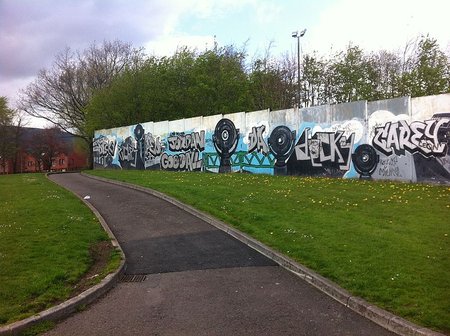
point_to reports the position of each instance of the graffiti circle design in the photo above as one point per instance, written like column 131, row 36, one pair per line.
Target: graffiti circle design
column 365, row 159
column 281, row 141
column 225, row 135
column 138, row 132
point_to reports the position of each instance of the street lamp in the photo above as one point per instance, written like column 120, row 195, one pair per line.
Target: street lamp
column 297, row 35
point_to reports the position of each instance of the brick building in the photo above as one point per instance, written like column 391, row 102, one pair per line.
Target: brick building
column 41, row 150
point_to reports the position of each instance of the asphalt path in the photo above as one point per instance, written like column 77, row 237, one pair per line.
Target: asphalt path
column 198, row 279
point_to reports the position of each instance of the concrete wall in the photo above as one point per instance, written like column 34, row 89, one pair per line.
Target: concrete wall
column 399, row 139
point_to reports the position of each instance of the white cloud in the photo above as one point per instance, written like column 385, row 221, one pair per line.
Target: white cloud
column 267, row 12
column 167, row 45
column 376, row 25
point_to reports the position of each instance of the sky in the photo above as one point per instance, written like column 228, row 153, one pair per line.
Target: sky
column 33, row 32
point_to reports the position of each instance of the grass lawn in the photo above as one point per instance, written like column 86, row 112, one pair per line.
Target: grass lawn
column 383, row 241
column 46, row 235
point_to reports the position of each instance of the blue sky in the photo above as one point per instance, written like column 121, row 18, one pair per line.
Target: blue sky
column 331, row 24
column 32, row 32
column 257, row 24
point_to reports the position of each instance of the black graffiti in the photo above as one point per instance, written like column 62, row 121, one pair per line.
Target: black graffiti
column 389, row 167
column 256, row 140
column 225, row 140
column 152, row 151
column 191, row 145
column 325, row 148
column 365, row 160
column 281, row 144
column 127, row 153
column 186, row 142
column 104, row 150
column 184, row 161
column 142, row 152
column 418, row 137
column 153, row 146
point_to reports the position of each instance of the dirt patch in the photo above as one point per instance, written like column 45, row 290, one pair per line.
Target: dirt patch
column 100, row 254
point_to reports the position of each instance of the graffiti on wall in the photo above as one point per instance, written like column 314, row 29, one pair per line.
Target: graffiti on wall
column 281, row 144
column 187, row 149
column 323, row 153
column 103, row 151
column 391, row 148
column 152, row 150
column 427, row 141
column 225, row 139
column 426, row 138
column 257, row 141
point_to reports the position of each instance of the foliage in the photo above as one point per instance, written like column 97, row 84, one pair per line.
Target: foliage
column 114, row 84
column 45, row 146
column 192, row 83
column 46, row 234
column 60, row 94
column 10, row 131
column 7, row 149
column 431, row 71
column 383, row 241
column 186, row 84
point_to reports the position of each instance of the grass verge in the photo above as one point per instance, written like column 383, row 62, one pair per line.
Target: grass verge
column 383, row 241
column 48, row 241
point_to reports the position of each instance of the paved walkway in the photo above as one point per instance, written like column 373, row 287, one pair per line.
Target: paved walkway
column 199, row 280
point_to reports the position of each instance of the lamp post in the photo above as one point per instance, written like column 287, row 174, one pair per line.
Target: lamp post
column 297, row 35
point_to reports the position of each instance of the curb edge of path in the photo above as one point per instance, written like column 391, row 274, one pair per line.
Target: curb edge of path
column 73, row 304
column 379, row 316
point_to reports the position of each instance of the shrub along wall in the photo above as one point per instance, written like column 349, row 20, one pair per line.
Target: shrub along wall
column 400, row 139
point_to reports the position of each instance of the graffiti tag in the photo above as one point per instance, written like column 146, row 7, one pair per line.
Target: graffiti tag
column 389, row 167
column 325, row 147
column 191, row 145
column 185, row 161
column 185, row 142
column 127, row 151
column 421, row 137
column 103, row 149
column 152, row 150
column 256, row 140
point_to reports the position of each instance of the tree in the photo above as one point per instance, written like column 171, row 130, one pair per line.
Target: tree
column 314, row 81
column 7, row 148
column 11, row 123
column 387, row 71
column 61, row 94
column 430, row 74
column 272, row 82
column 352, row 76
column 192, row 83
column 184, row 85
column 45, row 146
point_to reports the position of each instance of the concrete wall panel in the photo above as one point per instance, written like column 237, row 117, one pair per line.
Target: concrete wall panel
column 397, row 139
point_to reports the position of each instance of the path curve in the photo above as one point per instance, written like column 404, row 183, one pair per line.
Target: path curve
column 197, row 280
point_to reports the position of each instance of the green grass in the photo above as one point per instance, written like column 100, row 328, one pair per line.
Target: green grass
column 45, row 235
column 383, row 241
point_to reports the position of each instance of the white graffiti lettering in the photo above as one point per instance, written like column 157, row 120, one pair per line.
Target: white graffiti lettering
column 104, row 146
column 184, row 161
column 256, row 140
column 325, row 147
column 127, row 152
column 103, row 149
column 153, row 146
column 185, row 142
column 420, row 137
